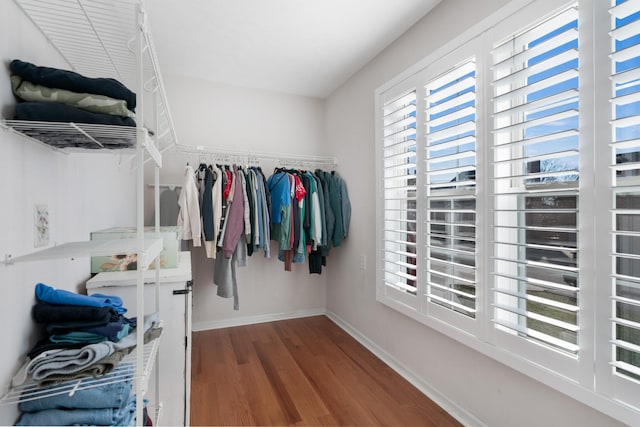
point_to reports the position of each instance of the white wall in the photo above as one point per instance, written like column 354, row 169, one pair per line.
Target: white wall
column 489, row 392
column 222, row 117
column 83, row 192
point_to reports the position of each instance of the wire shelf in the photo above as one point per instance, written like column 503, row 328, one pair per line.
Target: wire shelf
column 98, row 38
column 125, row 371
column 76, row 135
column 150, row 249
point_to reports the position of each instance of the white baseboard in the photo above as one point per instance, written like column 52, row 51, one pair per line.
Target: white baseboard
column 456, row 411
column 250, row 320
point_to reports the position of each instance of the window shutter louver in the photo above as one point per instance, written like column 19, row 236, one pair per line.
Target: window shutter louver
column 625, row 124
column 450, row 190
column 399, row 186
column 535, row 181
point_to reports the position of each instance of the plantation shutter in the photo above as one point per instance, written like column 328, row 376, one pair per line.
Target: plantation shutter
column 451, row 190
column 625, row 109
column 535, row 178
column 399, row 199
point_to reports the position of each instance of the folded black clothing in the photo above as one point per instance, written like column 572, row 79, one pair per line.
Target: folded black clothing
column 44, row 344
column 66, row 327
column 57, row 112
column 70, row 80
column 53, row 313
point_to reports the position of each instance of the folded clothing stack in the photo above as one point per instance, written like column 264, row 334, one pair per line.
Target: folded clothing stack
column 87, row 336
column 55, row 95
column 109, row 404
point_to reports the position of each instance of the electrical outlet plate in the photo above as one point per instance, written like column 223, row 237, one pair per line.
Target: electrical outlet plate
column 363, row 262
column 40, row 225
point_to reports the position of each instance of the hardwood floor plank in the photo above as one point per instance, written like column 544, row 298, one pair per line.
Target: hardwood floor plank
column 340, row 398
column 302, row 372
column 328, row 420
column 256, row 387
column 241, row 344
column 279, row 387
column 286, row 373
column 333, row 393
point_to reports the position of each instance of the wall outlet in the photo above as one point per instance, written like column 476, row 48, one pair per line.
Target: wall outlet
column 40, row 225
column 363, row 262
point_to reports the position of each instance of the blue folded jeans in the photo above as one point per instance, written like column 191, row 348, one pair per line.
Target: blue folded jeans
column 67, row 417
column 113, row 395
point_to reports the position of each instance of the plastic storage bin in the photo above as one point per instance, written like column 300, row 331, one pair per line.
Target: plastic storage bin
column 123, row 262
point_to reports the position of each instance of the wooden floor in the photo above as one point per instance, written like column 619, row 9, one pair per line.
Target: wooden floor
column 300, row 372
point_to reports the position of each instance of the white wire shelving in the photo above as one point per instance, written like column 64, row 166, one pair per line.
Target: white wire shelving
column 98, row 38
column 124, row 371
column 146, row 253
column 107, row 39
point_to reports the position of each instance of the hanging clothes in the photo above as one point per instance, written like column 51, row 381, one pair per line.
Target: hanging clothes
column 262, row 228
column 227, row 196
column 323, row 218
column 245, row 198
column 189, row 217
column 300, row 241
column 311, row 213
column 336, row 207
column 251, row 210
column 235, row 219
column 315, row 216
column 224, row 277
column 207, row 205
column 305, row 212
column 216, row 200
column 233, row 247
column 329, row 215
column 169, row 207
column 345, row 203
column 279, row 187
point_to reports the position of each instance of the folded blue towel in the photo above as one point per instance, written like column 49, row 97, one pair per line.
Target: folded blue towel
column 50, row 295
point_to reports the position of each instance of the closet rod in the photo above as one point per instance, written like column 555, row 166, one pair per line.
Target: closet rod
column 169, row 186
column 286, row 158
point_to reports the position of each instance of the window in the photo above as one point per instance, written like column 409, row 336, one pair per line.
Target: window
column 625, row 162
column 450, row 189
column 399, row 165
column 509, row 175
column 536, row 158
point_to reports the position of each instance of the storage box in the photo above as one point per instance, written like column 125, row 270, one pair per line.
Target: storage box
column 122, row 262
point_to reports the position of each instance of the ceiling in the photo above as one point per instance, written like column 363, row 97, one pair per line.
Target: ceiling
column 302, row 47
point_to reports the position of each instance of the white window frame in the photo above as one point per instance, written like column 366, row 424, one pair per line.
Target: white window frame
column 557, row 361
column 402, row 301
column 470, row 50
column 588, row 378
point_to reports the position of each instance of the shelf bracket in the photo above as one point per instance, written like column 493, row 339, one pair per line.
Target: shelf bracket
column 75, row 388
column 12, row 130
column 8, row 259
column 148, row 85
column 76, row 127
column 130, row 44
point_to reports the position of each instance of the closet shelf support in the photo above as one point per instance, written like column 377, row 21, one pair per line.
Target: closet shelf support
column 95, row 141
